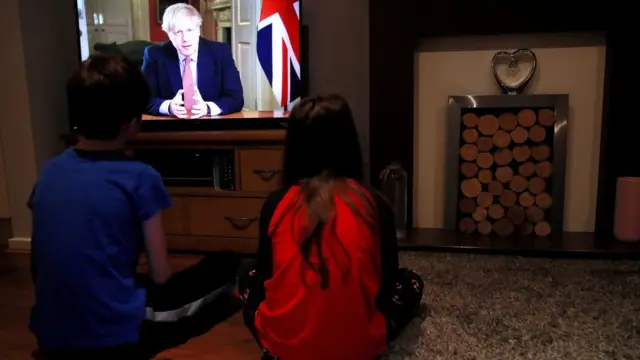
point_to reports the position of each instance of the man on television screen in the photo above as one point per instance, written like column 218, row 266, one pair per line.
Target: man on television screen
column 191, row 77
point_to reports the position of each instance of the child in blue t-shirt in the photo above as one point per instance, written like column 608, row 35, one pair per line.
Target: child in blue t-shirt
column 94, row 211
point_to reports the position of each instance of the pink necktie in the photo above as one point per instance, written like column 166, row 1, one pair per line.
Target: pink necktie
column 187, row 85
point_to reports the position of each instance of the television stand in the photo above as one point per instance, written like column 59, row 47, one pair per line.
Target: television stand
column 218, row 179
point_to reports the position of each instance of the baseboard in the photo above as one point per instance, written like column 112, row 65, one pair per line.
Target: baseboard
column 19, row 244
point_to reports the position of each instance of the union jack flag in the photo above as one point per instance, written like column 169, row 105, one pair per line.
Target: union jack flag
column 278, row 48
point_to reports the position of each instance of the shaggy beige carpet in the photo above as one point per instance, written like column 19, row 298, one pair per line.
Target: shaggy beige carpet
column 481, row 307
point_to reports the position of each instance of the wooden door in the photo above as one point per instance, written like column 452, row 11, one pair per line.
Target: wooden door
column 116, row 21
column 92, row 15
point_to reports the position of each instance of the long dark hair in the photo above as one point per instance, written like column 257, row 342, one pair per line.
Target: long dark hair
column 323, row 157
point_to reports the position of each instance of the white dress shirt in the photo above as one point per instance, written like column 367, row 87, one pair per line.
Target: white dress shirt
column 213, row 108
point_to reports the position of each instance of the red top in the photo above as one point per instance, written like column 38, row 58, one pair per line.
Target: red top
column 299, row 320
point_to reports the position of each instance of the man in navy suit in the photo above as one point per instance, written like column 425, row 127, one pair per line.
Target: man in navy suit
column 190, row 76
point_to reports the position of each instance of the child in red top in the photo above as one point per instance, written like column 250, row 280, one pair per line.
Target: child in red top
column 326, row 283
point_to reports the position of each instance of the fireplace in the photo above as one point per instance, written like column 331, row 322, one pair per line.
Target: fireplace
column 506, row 158
column 406, row 124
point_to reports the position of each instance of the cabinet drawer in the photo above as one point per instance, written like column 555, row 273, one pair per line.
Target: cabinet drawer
column 260, row 169
column 224, row 217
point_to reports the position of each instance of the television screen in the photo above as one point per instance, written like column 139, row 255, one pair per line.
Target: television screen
column 202, row 58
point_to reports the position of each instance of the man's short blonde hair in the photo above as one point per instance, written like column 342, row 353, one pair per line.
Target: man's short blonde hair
column 176, row 9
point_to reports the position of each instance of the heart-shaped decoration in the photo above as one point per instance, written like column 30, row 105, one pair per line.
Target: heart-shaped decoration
column 513, row 70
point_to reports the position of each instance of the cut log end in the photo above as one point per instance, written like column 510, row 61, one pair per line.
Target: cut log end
column 469, row 169
column 484, row 143
column 508, row 198
column 521, row 153
column 541, row 152
column 488, row 125
column 526, row 229
column 485, row 227
column 467, row 225
column 508, row 121
column 480, row 214
column 470, row 135
column 526, row 117
column 526, row 200
column 527, row 169
column 504, row 174
column 517, row 215
column 502, row 156
column 537, row 185
column 534, row 214
column 537, row 133
column 544, row 201
column 501, row 139
column 485, row 176
column 484, row 160
column 470, row 120
column 518, row 184
column 485, row 199
column 544, row 169
column 503, row 227
column 471, row 187
column 496, row 212
column 469, row 152
column 546, row 117
column 542, row 228
column 519, row 135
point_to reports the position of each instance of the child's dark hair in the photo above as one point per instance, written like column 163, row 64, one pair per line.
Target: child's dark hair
column 323, row 156
column 104, row 93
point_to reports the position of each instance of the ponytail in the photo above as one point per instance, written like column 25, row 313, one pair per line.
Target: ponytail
column 317, row 196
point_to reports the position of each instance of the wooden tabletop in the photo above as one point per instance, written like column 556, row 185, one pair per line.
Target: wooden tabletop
column 239, row 115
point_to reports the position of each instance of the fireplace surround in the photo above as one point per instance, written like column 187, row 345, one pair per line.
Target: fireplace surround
column 394, row 36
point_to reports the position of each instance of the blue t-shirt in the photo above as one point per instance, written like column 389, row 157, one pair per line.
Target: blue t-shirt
column 88, row 209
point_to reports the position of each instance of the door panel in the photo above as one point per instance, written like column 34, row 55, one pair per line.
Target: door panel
column 244, row 28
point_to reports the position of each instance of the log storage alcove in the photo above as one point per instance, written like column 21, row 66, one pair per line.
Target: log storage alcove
column 506, row 164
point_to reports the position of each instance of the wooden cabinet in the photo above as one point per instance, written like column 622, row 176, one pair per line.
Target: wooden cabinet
column 203, row 217
column 224, row 216
column 260, row 169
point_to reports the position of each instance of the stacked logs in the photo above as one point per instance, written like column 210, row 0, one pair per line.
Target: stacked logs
column 506, row 167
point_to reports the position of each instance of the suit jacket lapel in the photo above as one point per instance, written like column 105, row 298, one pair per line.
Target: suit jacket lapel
column 205, row 70
column 173, row 67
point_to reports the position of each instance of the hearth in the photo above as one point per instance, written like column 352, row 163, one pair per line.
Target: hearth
column 506, row 164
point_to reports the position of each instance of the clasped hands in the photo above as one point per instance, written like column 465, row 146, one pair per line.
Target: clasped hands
column 199, row 109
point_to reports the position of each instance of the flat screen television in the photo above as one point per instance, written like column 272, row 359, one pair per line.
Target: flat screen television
column 265, row 40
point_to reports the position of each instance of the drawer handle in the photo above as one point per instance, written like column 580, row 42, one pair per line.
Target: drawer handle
column 266, row 174
column 241, row 222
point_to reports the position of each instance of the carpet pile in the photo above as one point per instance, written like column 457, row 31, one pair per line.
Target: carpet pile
column 482, row 307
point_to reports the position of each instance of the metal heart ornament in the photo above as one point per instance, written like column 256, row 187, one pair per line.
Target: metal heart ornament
column 513, row 70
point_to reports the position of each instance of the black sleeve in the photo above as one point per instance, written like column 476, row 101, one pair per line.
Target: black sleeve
column 264, row 266
column 388, row 249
